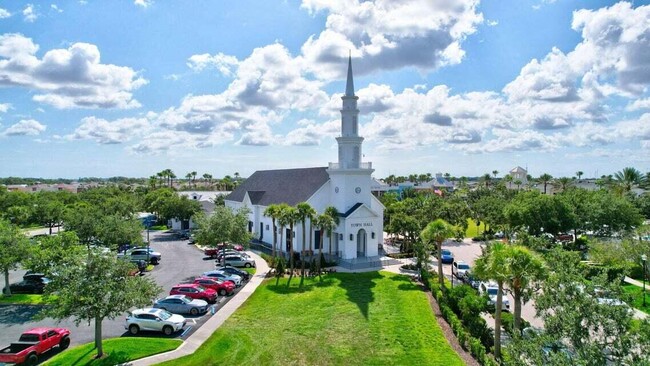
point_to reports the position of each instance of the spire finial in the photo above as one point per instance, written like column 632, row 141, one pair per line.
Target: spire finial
column 349, row 86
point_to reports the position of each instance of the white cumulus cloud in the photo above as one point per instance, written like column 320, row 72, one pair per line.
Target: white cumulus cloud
column 29, row 13
column 67, row 78
column 25, row 127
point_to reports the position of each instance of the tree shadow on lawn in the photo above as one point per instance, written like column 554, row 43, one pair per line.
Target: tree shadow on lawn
column 281, row 288
column 110, row 358
column 358, row 287
column 18, row 314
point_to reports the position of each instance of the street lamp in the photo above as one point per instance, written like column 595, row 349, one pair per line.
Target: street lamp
column 644, row 258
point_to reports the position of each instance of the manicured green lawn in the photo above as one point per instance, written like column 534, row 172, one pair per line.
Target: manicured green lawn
column 158, row 227
column 250, row 271
column 472, row 229
column 22, row 299
column 637, row 296
column 118, row 350
column 373, row 318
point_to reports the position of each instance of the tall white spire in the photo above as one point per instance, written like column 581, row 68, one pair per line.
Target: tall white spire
column 349, row 86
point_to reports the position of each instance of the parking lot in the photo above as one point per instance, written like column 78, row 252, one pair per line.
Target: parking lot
column 468, row 251
column 180, row 263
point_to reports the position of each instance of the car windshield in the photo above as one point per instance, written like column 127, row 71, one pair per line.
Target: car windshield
column 164, row 315
column 186, row 300
column 492, row 291
column 463, row 266
column 200, row 288
column 446, row 252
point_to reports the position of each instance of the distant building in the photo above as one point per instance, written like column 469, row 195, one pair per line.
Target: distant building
column 519, row 173
column 206, row 200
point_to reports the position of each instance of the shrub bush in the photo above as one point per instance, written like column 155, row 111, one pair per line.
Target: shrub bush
column 400, row 255
column 508, row 323
column 410, row 267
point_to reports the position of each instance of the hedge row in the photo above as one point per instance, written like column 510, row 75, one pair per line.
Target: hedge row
column 466, row 340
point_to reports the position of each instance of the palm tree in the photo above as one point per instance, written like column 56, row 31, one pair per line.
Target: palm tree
column 579, row 173
column 207, row 177
column 508, row 179
column 324, row 223
column 152, row 181
column 628, row 177
column 305, row 212
column 189, row 179
column 194, row 178
column 486, row 179
column 524, row 267
column 161, row 177
column 273, row 211
column 545, row 179
column 563, row 183
column 437, row 232
column 518, row 183
column 289, row 216
column 332, row 212
column 495, row 172
column 492, row 265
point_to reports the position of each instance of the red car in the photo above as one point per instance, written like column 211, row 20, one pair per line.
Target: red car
column 223, row 288
column 34, row 343
column 214, row 252
column 195, row 292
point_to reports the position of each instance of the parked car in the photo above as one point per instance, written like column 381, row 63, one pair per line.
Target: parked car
column 212, row 252
column 141, row 254
column 471, row 280
column 181, row 304
column 447, row 256
column 223, row 288
column 183, row 234
column 235, row 279
column 195, row 292
column 33, row 343
column 233, row 271
column 239, row 261
column 31, row 284
column 221, row 254
column 490, row 289
column 157, row 320
column 459, row 269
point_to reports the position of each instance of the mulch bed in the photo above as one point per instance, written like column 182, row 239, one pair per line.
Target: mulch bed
column 446, row 330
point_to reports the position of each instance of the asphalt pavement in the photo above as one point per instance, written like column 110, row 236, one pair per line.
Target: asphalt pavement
column 180, row 262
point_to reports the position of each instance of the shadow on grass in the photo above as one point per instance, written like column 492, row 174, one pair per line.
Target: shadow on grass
column 281, row 287
column 358, row 287
column 109, row 359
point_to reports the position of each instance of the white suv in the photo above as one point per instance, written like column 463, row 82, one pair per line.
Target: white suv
column 491, row 290
column 154, row 319
column 459, row 269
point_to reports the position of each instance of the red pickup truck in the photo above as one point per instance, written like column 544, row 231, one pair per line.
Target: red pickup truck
column 34, row 343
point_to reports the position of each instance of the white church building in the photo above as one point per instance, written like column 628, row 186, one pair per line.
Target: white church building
column 346, row 185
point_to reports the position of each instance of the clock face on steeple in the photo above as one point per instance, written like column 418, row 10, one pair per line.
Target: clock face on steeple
column 336, row 189
column 358, row 190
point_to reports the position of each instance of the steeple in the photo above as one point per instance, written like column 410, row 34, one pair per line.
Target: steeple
column 349, row 86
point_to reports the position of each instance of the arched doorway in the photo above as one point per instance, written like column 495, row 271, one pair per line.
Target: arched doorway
column 361, row 243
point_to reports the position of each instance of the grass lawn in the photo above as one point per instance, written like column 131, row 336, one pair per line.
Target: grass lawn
column 637, row 296
column 158, row 227
column 472, row 229
column 118, row 350
column 251, row 271
column 22, row 299
column 373, row 318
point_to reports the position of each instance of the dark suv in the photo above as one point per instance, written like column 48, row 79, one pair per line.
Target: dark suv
column 233, row 271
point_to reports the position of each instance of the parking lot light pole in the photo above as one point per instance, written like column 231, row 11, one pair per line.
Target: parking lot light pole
column 644, row 258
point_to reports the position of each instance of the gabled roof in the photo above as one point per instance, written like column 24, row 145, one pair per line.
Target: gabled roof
column 290, row 186
column 518, row 169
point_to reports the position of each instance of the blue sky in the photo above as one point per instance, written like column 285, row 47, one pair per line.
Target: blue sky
column 105, row 88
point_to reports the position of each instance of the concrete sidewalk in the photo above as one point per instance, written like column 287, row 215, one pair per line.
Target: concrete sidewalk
column 632, row 281
column 202, row 334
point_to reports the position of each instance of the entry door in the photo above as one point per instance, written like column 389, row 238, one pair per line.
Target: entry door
column 361, row 243
column 261, row 230
column 289, row 239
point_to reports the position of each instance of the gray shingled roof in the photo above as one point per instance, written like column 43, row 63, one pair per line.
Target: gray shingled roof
column 290, row 186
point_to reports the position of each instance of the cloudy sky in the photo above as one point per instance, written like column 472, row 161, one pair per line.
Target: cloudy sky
column 105, row 88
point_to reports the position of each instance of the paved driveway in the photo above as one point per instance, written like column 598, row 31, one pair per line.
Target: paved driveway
column 468, row 251
column 180, row 262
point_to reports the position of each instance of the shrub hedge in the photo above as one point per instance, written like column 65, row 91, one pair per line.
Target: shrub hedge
column 466, row 340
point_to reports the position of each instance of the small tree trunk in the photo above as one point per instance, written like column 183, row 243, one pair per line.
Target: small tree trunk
column 302, row 255
column 320, row 254
column 329, row 232
column 275, row 238
column 292, row 264
column 98, row 337
column 7, row 289
column 497, row 322
column 441, row 277
column 517, row 312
